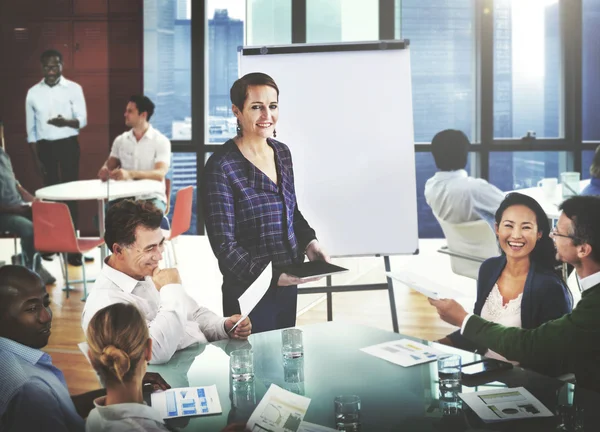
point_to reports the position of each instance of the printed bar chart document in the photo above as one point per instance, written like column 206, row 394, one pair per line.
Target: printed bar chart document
column 403, row 352
column 505, row 404
column 279, row 411
column 187, row 401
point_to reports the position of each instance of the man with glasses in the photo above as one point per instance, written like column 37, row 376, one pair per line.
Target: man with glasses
column 131, row 275
column 55, row 112
column 571, row 340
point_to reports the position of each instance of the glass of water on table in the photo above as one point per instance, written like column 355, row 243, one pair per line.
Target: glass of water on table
column 241, row 363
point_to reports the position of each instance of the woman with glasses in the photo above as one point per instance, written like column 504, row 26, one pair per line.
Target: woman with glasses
column 521, row 287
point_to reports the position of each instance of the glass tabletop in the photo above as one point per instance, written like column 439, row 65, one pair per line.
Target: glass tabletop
column 393, row 398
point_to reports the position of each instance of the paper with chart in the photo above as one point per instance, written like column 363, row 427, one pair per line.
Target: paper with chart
column 505, row 404
column 187, row 401
column 403, row 352
column 424, row 285
column 278, row 411
column 254, row 293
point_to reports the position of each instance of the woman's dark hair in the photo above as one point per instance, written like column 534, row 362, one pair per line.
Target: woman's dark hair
column 239, row 89
column 544, row 253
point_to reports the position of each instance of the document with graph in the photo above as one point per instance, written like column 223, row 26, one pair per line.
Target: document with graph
column 278, row 411
column 187, row 401
column 403, row 352
column 505, row 404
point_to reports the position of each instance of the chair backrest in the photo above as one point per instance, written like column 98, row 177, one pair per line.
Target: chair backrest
column 168, row 194
column 469, row 244
column 53, row 229
column 182, row 212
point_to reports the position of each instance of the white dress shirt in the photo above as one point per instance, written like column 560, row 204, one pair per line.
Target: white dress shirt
column 175, row 320
column 455, row 197
column 43, row 103
column 123, row 417
column 144, row 154
column 590, row 281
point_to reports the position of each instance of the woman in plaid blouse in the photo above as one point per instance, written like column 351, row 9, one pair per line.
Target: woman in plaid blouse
column 250, row 207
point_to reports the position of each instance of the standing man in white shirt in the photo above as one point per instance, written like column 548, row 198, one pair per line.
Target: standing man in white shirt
column 131, row 275
column 453, row 196
column 55, row 112
column 140, row 153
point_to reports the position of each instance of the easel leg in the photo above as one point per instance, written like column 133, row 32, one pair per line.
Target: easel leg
column 386, row 260
column 329, row 301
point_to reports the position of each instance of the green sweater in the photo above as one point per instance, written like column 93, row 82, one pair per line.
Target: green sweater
column 572, row 340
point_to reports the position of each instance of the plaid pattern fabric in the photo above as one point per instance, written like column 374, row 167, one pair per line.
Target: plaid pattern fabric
column 249, row 219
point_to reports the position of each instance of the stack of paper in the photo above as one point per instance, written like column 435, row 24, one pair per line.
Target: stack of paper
column 423, row 285
column 279, row 411
column 505, row 404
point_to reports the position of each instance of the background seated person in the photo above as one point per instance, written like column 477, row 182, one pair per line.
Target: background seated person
column 15, row 215
column 140, row 153
column 131, row 275
column 594, row 187
column 453, row 196
column 520, row 288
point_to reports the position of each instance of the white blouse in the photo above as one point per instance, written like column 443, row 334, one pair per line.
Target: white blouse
column 508, row 315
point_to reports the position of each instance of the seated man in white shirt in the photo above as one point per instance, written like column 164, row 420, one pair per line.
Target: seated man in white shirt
column 140, row 153
column 131, row 275
column 453, row 196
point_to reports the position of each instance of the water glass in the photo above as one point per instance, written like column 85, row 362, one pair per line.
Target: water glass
column 293, row 370
column 243, row 394
column 449, row 367
column 291, row 343
column 242, row 365
column 347, row 413
column 570, row 184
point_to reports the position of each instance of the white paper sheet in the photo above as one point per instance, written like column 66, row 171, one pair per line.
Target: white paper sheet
column 254, row 293
column 423, row 285
column 505, row 404
column 279, row 411
column 187, row 401
column 403, row 352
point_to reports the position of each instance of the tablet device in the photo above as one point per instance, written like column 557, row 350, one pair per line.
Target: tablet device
column 484, row 366
column 311, row 269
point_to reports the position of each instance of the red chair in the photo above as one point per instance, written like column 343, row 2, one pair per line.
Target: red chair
column 182, row 218
column 53, row 231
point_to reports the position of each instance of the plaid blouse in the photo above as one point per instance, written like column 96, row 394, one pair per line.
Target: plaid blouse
column 249, row 219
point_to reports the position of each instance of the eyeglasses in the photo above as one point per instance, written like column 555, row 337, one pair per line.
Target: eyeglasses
column 553, row 234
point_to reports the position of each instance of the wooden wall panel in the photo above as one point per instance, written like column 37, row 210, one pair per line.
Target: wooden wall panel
column 24, row 44
column 126, row 46
column 90, row 7
column 12, row 109
column 91, row 46
column 41, row 9
column 126, row 7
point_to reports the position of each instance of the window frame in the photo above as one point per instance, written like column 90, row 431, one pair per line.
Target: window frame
column 484, row 143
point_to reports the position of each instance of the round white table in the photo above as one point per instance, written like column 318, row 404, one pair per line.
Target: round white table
column 103, row 192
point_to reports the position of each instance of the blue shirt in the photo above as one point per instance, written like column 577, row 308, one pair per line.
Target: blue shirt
column 34, row 394
column 9, row 194
column 593, row 188
column 250, row 220
column 43, row 103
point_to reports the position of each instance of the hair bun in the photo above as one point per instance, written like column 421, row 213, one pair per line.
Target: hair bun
column 116, row 360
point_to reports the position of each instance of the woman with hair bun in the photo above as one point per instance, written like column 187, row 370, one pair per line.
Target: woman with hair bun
column 119, row 349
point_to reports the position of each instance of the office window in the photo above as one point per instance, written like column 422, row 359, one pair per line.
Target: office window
column 587, row 156
column 182, row 174
column 225, row 35
column 269, row 22
column 591, row 70
column 527, row 69
column 329, row 21
column 519, row 170
column 442, row 61
column 167, row 65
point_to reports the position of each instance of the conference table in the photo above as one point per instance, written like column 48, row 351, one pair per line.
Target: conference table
column 103, row 192
column 393, row 398
column 549, row 203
